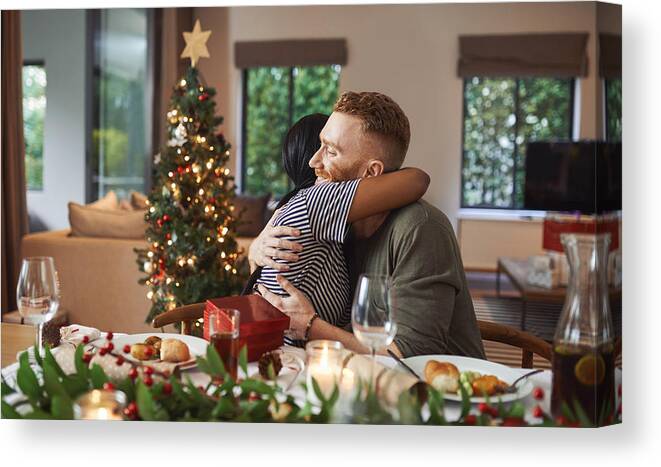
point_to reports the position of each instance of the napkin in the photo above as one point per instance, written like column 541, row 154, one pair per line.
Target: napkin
column 74, row 334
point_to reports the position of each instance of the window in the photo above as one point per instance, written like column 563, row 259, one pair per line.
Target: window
column 502, row 115
column 613, row 91
column 120, row 145
column 274, row 99
column 34, row 114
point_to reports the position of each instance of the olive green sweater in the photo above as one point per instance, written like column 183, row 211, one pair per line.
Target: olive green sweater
column 416, row 245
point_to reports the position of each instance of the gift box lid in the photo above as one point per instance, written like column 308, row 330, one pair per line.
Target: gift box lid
column 257, row 315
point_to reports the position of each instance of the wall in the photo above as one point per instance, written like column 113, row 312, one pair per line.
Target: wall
column 410, row 53
column 58, row 38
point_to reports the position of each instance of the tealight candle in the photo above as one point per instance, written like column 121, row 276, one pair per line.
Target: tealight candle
column 324, row 365
column 100, row 404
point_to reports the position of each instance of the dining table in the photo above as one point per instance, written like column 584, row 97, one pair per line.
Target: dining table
column 290, row 380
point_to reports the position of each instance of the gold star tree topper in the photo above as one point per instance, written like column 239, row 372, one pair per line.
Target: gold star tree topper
column 196, row 44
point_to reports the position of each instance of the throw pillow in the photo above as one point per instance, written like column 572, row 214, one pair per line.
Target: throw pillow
column 109, row 201
column 88, row 221
column 252, row 213
column 138, row 200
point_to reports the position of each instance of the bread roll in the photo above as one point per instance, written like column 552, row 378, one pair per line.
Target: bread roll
column 143, row 352
column 154, row 341
column 442, row 376
column 173, row 350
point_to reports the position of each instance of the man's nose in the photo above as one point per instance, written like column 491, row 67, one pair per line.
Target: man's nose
column 316, row 159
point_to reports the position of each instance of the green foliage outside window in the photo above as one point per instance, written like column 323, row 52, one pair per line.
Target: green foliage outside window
column 34, row 114
column 501, row 116
column 271, row 109
column 614, row 110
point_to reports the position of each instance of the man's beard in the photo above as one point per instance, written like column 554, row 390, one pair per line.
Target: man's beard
column 338, row 175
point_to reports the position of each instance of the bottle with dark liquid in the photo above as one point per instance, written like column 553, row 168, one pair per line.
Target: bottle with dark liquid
column 583, row 360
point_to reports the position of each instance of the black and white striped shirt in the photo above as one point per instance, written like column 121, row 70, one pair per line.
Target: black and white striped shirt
column 320, row 213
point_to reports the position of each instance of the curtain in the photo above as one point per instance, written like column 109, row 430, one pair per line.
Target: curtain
column 290, row 53
column 547, row 54
column 14, row 204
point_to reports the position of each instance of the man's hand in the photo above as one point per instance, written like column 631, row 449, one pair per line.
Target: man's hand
column 268, row 245
column 296, row 306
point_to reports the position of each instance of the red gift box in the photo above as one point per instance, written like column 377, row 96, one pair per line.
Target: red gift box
column 261, row 325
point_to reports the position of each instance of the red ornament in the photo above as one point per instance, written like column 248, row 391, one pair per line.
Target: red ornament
column 537, row 412
column 538, row 393
column 203, row 97
column 86, row 339
column 133, row 373
column 108, row 386
column 180, row 170
column 127, row 348
column 167, row 388
column 119, row 361
column 470, row 419
column 148, row 370
column 159, row 222
column 166, row 218
column 148, row 380
column 109, row 336
column 168, row 236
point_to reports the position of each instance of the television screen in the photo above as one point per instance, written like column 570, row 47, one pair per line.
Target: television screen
column 583, row 176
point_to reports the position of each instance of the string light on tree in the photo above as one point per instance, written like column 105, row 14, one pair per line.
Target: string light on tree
column 190, row 206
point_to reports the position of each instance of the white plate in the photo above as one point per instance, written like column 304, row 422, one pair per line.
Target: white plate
column 196, row 346
column 484, row 367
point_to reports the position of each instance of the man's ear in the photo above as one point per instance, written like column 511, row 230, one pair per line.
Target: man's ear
column 374, row 168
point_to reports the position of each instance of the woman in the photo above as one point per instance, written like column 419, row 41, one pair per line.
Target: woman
column 322, row 213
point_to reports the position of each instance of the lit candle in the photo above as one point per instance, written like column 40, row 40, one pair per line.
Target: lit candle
column 100, row 404
column 324, row 365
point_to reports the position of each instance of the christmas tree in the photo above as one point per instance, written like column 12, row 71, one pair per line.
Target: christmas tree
column 192, row 254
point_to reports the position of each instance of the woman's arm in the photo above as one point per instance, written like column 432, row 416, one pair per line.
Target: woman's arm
column 384, row 192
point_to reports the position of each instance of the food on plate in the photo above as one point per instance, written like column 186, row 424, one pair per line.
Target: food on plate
column 269, row 359
column 488, row 385
column 175, row 351
column 446, row 377
column 442, row 376
column 143, row 352
column 154, row 341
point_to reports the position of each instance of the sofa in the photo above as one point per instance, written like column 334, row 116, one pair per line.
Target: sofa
column 98, row 278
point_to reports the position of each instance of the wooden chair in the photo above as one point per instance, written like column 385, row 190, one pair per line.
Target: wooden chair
column 528, row 343
column 186, row 315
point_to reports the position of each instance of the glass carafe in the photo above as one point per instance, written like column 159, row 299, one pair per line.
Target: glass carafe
column 583, row 361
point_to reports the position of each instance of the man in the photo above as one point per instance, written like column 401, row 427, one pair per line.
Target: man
column 366, row 135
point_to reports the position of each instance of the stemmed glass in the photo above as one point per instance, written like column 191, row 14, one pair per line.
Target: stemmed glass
column 373, row 313
column 37, row 293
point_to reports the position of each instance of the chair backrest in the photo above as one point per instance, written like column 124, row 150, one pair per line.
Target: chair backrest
column 186, row 315
column 528, row 343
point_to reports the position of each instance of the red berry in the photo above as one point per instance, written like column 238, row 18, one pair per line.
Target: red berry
column 513, row 421
column 110, row 346
column 119, row 361
column 253, row 397
column 537, row 412
column 561, row 420
column 127, row 348
column 167, row 388
column 86, row 339
column 87, row 357
column 148, row 370
column 109, row 336
column 133, row 373
column 484, row 408
column 538, row 393
column 131, row 410
column 149, row 352
column 148, row 380
column 470, row 419
column 103, row 351
column 108, row 386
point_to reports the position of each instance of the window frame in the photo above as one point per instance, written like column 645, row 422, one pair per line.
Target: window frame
column 39, row 63
column 517, row 79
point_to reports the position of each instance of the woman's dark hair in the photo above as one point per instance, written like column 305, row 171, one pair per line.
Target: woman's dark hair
column 300, row 144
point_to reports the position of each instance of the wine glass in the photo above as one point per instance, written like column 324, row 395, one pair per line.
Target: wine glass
column 373, row 313
column 37, row 293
